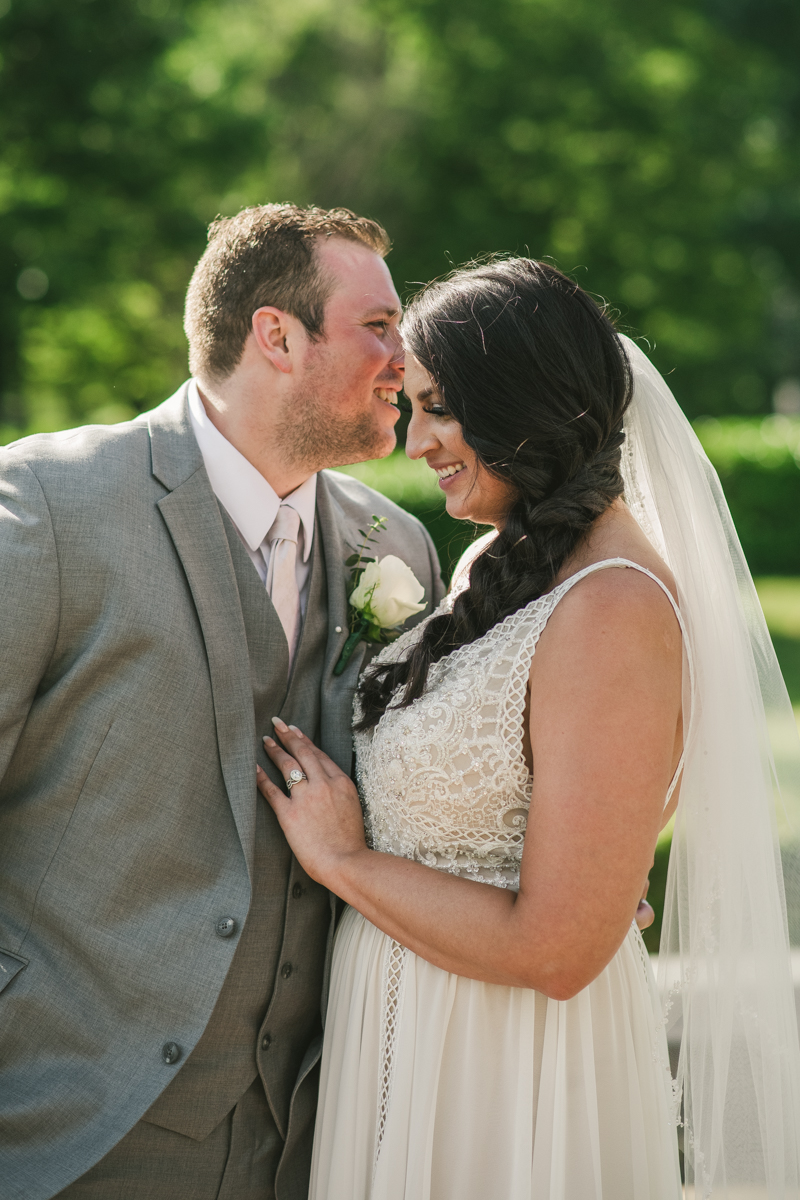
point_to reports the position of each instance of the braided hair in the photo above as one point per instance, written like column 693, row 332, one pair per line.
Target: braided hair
column 534, row 372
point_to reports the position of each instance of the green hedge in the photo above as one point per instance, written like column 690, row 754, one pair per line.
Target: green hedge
column 758, row 461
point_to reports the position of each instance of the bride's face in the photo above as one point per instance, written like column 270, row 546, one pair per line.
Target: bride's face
column 471, row 492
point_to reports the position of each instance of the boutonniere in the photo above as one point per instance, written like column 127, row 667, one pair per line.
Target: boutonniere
column 384, row 594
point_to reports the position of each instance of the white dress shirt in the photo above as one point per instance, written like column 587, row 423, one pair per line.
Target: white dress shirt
column 250, row 502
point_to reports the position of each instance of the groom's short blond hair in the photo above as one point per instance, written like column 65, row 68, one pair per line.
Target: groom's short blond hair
column 264, row 256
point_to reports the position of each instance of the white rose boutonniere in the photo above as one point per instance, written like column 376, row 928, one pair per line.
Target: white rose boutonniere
column 385, row 594
column 389, row 592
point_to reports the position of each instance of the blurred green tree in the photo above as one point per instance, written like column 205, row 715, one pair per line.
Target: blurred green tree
column 649, row 149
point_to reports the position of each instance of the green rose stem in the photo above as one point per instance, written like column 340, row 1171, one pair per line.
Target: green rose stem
column 350, row 645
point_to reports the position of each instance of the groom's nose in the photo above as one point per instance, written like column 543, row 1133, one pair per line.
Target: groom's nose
column 395, row 370
column 398, row 359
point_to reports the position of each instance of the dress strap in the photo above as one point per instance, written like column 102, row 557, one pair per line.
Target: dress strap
column 561, row 591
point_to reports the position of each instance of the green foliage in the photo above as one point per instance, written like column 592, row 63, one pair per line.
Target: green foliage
column 758, row 462
column 780, row 600
column 650, row 148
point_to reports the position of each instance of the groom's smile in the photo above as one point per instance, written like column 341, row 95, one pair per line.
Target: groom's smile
column 362, row 351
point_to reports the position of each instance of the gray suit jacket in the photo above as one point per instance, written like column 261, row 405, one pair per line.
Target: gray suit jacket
column 127, row 798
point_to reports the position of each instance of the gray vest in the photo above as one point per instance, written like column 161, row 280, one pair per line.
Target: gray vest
column 268, row 1011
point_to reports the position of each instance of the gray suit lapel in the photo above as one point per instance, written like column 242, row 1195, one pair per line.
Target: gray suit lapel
column 340, row 537
column 193, row 518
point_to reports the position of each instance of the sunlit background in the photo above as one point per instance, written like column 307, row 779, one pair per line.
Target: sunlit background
column 650, row 149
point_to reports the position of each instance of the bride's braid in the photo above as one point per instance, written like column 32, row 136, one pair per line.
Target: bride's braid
column 537, row 378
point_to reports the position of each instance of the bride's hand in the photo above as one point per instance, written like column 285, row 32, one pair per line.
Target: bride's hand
column 321, row 817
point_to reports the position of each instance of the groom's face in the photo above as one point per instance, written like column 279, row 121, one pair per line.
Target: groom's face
column 344, row 406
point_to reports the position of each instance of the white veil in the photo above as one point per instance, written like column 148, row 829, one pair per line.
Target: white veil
column 724, row 966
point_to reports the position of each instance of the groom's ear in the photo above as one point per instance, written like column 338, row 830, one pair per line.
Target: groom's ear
column 276, row 334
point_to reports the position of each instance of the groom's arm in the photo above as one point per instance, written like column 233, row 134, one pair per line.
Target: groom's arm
column 29, row 596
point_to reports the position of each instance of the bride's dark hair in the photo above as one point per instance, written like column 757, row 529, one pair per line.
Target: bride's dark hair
column 537, row 378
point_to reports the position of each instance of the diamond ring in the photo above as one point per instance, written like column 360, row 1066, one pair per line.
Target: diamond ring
column 295, row 776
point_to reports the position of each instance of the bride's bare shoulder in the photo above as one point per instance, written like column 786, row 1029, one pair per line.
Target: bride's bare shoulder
column 615, row 535
column 618, row 535
column 616, row 611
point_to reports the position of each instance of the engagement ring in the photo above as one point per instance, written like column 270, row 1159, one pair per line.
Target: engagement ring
column 295, row 777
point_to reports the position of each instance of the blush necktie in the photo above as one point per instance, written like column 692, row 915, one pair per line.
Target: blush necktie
column 282, row 574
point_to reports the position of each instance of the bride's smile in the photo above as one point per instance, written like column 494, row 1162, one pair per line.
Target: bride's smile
column 472, row 492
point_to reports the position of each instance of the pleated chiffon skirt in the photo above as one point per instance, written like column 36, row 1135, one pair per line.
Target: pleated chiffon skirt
column 437, row 1087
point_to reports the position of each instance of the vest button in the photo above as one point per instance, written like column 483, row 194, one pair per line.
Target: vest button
column 297, row 891
column 225, row 927
column 286, row 970
column 266, row 1042
column 170, row 1052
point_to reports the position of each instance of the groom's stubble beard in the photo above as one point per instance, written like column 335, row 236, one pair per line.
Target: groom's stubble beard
column 313, row 434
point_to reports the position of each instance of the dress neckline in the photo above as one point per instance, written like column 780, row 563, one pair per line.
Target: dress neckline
column 561, row 589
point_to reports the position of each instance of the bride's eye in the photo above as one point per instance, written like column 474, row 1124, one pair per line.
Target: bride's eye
column 433, row 410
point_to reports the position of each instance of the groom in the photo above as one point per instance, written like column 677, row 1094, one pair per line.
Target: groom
column 166, row 587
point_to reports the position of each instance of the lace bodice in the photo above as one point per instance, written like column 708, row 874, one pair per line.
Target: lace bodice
column 445, row 781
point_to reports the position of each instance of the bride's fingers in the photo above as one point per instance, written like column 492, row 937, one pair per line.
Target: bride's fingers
column 272, row 794
column 645, row 915
column 327, row 764
column 295, row 746
column 301, row 742
column 283, row 761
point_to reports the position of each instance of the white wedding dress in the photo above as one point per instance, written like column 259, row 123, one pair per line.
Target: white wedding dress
column 438, row 1087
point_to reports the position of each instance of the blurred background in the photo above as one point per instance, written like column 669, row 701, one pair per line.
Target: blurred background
column 650, row 150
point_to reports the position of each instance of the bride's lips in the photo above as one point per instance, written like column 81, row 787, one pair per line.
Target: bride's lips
column 448, row 473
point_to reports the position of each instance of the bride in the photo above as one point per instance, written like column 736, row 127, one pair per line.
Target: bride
column 493, row 1028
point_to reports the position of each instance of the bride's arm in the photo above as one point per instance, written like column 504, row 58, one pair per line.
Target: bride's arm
column 604, row 708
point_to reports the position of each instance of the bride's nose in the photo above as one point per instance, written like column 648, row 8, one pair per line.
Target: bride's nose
column 421, row 436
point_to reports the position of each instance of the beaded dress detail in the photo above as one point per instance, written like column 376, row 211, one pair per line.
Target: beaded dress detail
column 444, row 781
column 439, row 1087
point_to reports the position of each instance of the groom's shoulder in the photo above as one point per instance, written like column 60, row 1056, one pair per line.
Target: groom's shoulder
column 404, row 535
column 90, row 451
column 82, row 444
column 358, row 501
